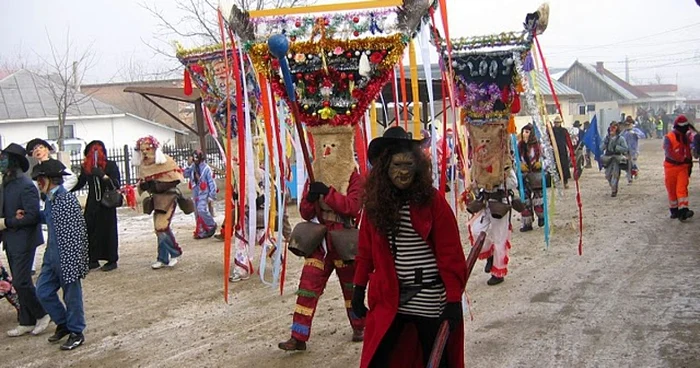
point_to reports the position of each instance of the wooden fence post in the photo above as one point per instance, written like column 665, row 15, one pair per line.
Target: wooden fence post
column 127, row 165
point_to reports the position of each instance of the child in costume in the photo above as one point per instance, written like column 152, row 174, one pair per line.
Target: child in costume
column 411, row 255
column 204, row 190
column 159, row 175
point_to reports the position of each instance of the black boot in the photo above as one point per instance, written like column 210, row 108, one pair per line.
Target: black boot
column 684, row 214
column 94, row 265
column 526, row 228
column 494, row 281
column 674, row 213
column 540, row 222
column 489, row 264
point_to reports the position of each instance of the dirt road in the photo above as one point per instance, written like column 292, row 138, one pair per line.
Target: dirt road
column 631, row 300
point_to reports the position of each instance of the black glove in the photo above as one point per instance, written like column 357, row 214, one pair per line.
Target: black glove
column 452, row 314
column 358, row 301
column 145, row 185
column 98, row 172
column 312, row 197
column 318, row 188
column 260, row 201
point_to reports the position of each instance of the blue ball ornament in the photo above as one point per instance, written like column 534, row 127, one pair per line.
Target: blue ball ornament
column 278, row 45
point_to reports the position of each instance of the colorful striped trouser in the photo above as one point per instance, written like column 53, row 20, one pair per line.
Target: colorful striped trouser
column 314, row 277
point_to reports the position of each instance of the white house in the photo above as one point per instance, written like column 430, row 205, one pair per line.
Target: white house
column 27, row 111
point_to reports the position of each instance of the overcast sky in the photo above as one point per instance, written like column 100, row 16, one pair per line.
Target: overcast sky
column 660, row 38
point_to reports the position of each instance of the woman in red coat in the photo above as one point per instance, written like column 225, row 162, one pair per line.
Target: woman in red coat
column 410, row 253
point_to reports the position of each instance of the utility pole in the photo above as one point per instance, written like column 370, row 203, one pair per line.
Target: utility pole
column 627, row 69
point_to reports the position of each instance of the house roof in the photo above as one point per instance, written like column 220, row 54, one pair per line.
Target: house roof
column 560, row 88
column 25, row 95
column 615, row 83
column 657, row 88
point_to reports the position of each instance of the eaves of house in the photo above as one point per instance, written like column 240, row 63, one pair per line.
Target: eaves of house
column 26, row 97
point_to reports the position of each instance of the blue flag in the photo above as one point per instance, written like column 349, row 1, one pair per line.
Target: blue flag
column 592, row 140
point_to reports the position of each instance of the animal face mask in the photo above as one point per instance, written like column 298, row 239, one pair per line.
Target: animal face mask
column 402, row 170
column 148, row 154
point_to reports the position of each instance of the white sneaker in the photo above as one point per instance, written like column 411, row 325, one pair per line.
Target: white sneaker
column 173, row 262
column 20, row 330
column 238, row 277
column 158, row 265
column 41, row 325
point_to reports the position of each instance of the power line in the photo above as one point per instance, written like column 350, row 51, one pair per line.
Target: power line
column 630, row 40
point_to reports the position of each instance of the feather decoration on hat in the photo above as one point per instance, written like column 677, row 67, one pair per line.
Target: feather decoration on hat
column 239, row 22
column 538, row 20
column 409, row 15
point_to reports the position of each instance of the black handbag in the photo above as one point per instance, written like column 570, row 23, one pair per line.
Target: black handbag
column 111, row 198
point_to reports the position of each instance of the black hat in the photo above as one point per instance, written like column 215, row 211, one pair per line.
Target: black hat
column 89, row 146
column 20, row 153
column 50, row 168
column 394, row 136
column 38, row 141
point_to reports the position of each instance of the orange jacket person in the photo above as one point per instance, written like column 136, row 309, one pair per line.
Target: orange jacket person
column 677, row 167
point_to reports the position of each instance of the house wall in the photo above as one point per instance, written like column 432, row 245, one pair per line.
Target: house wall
column 591, row 87
column 114, row 132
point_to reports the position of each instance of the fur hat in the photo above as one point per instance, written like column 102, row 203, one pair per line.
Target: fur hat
column 19, row 153
column 153, row 142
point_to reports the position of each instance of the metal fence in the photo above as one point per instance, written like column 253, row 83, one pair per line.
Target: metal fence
column 123, row 157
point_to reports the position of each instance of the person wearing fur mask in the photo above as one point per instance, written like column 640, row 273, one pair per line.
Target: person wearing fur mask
column 334, row 198
column 159, row 175
column 203, row 187
column 531, row 167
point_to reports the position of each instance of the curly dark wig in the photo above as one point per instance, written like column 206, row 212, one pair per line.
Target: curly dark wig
column 382, row 200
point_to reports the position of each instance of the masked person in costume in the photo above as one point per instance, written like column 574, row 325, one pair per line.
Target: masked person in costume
column 21, row 236
column 334, row 199
column 561, row 136
column 41, row 150
column 531, row 167
column 411, row 256
column 614, row 156
column 677, row 168
column 204, row 190
column 100, row 174
column 66, row 257
column 159, row 175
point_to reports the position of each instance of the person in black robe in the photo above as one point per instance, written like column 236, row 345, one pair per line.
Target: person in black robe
column 100, row 174
column 561, row 135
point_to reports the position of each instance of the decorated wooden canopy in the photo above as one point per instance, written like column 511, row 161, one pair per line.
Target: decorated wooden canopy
column 338, row 62
column 207, row 69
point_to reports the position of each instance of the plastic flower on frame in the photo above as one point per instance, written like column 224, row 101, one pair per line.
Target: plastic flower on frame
column 300, row 58
column 338, row 51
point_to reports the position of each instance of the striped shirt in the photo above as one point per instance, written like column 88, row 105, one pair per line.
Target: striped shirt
column 416, row 265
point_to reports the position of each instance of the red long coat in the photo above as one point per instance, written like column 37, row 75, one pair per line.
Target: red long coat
column 374, row 263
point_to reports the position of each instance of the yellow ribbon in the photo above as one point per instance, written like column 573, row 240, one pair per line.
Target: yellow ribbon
column 373, row 119
column 414, row 89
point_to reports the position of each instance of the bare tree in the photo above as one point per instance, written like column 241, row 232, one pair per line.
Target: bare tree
column 133, row 71
column 64, row 73
column 197, row 23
